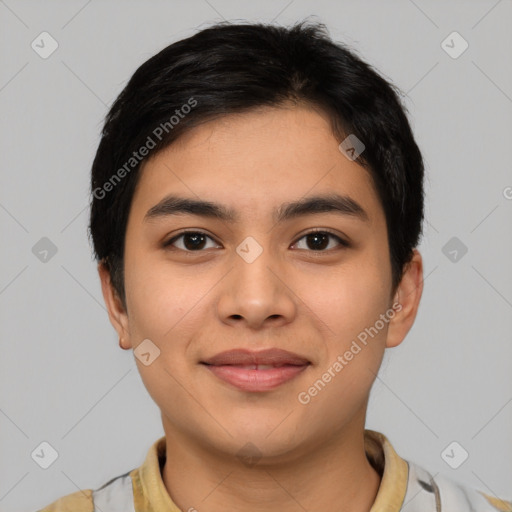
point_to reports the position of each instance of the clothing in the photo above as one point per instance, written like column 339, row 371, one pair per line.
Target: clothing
column 404, row 487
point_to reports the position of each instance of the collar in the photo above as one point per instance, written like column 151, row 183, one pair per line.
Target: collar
column 150, row 492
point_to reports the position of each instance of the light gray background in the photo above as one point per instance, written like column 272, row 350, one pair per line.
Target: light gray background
column 64, row 379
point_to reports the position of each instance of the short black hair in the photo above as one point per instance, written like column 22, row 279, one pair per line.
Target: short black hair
column 233, row 68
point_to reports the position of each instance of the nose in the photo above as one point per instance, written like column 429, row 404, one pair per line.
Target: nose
column 257, row 292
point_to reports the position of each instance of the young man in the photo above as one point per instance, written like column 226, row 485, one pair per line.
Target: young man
column 257, row 200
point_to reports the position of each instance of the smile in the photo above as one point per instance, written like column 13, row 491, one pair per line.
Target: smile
column 259, row 378
column 256, row 371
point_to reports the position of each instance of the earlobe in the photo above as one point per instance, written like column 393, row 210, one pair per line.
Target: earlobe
column 116, row 311
column 408, row 297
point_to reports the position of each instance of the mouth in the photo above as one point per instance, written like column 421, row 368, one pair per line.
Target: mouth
column 256, row 371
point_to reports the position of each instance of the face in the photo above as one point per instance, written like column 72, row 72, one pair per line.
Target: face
column 303, row 297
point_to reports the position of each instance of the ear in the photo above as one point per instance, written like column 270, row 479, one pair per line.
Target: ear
column 406, row 301
column 116, row 311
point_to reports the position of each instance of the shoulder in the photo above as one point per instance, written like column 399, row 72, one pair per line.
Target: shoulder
column 114, row 496
column 80, row 501
column 440, row 493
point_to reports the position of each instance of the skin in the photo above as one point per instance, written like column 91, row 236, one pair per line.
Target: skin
column 314, row 303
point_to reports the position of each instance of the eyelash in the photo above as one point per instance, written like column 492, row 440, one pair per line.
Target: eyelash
column 169, row 242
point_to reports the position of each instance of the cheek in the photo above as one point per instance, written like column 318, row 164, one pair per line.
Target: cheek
column 166, row 305
column 356, row 297
column 350, row 298
column 352, row 305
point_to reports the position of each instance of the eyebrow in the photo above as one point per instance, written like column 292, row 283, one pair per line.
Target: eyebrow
column 175, row 205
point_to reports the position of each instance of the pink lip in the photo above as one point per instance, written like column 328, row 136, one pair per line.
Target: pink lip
column 240, row 368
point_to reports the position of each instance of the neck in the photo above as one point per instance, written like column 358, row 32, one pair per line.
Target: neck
column 334, row 476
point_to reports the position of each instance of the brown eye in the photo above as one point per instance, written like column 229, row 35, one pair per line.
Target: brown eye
column 192, row 241
column 319, row 240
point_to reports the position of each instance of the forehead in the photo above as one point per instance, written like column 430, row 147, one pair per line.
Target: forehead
column 258, row 159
